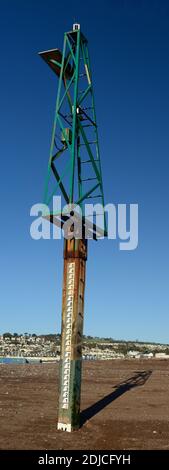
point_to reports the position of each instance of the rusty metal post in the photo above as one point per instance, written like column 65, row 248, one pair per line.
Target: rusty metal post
column 75, row 256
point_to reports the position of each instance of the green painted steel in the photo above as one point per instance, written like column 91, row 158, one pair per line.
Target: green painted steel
column 74, row 169
column 75, row 115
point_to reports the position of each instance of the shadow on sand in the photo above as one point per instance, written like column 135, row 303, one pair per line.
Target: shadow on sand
column 140, row 378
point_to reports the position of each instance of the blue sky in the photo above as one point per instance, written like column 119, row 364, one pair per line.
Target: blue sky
column 127, row 294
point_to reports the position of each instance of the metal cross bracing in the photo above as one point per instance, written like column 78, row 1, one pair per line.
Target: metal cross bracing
column 74, row 163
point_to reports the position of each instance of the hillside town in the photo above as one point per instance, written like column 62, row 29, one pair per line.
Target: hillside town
column 47, row 347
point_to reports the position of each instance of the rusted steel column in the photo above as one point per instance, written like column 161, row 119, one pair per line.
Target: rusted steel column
column 75, row 256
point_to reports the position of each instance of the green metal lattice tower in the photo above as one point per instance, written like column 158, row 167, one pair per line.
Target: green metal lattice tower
column 74, row 167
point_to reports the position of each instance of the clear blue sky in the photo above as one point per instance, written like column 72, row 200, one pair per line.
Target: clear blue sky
column 127, row 293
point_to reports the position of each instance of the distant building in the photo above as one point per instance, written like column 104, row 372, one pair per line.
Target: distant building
column 133, row 354
column 161, row 355
column 148, row 355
